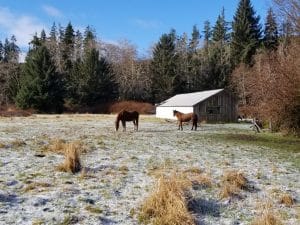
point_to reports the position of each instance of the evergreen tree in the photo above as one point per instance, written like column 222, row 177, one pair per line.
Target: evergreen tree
column 270, row 32
column 52, row 45
column 89, row 41
column 68, row 48
column 1, row 51
column 246, row 33
column 53, row 33
column 6, row 50
column 96, row 85
column 35, row 42
column 207, row 33
column 41, row 86
column 43, row 36
column 11, row 50
column 219, row 32
column 182, row 52
column 78, row 46
column 194, row 42
column 218, row 57
column 163, row 68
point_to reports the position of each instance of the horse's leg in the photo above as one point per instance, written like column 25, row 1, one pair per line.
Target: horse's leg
column 124, row 125
column 181, row 125
column 137, row 124
column 178, row 125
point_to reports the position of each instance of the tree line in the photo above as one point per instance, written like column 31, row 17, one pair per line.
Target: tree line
column 67, row 68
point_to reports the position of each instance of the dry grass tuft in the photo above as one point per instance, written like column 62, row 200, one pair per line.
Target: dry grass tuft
column 235, row 178
column 123, row 170
column 167, row 204
column 267, row 215
column 18, row 143
column 228, row 190
column 36, row 185
column 60, row 145
column 267, row 218
column 93, row 209
column 194, row 170
column 72, row 159
column 2, row 145
column 231, row 183
column 287, row 200
column 197, row 177
column 57, row 145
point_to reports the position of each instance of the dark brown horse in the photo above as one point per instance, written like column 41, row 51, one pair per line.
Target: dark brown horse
column 127, row 116
column 182, row 117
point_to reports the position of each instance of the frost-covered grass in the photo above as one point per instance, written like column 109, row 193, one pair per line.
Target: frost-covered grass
column 119, row 170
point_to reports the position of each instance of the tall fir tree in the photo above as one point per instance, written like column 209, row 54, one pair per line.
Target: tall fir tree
column 97, row 83
column 89, row 40
column 43, row 36
column 195, row 40
column 220, row 30
column 246, row 33
column 6, row 50
column 270, row 39
column 53, row 33
column 41, row 86
column 11, row 50
column 163, row 68
column 207, row 34
column 78, row 51
column 1, row 51
column 219, row 60
column 68, row 48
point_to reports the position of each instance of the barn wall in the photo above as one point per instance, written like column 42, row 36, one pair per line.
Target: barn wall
column 167, row 112
column 221, row 107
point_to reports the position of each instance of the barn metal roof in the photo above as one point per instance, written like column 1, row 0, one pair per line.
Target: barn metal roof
column 189, row 99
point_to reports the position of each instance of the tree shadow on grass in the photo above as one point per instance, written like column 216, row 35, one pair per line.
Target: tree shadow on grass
column 10, row 199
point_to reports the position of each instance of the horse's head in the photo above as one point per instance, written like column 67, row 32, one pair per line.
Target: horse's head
column 174, row 112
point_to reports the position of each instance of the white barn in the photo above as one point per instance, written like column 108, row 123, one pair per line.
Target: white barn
column 212, row 106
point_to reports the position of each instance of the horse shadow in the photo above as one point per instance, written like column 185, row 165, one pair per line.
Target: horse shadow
column 203, row 206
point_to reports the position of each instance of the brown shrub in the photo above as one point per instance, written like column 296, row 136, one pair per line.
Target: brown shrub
column 167, row 203
column 12, row 111
column 72, row 160
column 270, row 88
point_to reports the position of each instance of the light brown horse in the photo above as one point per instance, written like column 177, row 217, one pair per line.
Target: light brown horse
column 127, row 116
column 182, row 117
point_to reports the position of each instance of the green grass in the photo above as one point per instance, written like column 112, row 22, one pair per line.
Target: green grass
column 286, row 147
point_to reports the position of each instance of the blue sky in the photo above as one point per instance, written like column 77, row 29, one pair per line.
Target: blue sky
column 140, row 21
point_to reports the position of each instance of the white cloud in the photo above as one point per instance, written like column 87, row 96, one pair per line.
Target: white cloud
column 147, row 24
column 22, row 26
column 52, row 11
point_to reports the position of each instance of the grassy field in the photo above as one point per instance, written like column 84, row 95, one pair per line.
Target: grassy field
column 224, row 173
